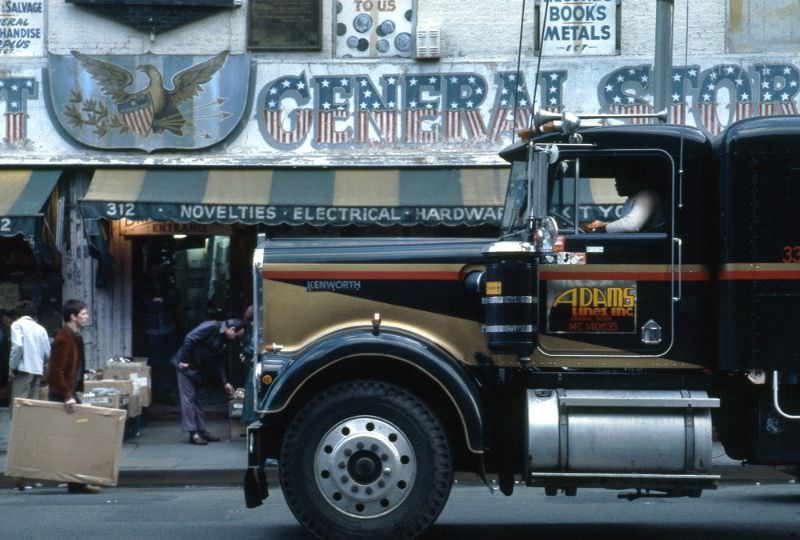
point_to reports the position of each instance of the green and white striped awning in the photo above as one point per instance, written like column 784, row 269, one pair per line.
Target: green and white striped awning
column 440, row 196
column 23, row 194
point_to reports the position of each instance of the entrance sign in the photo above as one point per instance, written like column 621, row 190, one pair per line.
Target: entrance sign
column 166, row 228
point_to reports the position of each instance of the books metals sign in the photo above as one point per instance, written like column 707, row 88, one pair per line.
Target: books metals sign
column 578, row 28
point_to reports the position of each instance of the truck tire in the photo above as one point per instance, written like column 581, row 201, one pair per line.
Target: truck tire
column 365, row 459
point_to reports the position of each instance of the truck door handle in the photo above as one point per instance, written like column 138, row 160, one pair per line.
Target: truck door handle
column 679, row 249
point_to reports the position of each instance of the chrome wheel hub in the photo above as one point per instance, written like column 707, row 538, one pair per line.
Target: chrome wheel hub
column 365, row 467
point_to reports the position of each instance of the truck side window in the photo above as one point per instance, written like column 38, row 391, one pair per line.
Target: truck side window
column 516, row 197
column 602, row 204
column 562, row 195
column 586, row 199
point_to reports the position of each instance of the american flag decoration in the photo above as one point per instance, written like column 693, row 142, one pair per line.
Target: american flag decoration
column 778, row 88
column 332, row 113
column 287, row 128
column 552, row 84
column 16, row 91
column 680, row 77
column 741, row 88
column 419, row 118
column 376, row 114
column 137, row 114
column 627, row 92
column 707, row 114
column 512, row 88
column 462, row 117
column 328, row 131
column 708, row 110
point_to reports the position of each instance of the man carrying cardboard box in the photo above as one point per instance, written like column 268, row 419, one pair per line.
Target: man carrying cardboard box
column 67, row 364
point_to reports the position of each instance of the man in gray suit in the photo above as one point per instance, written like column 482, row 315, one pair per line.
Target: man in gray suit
column 202, row 358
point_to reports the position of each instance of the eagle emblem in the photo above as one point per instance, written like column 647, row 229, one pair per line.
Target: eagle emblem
column 154, row 108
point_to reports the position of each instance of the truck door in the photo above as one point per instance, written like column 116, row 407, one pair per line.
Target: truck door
column 609, row 294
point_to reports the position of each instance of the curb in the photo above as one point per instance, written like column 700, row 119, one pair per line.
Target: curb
column 730, row 474
column 165, row 478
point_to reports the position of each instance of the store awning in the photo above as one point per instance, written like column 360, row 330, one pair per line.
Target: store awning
column 23, row 194
column 441, row 196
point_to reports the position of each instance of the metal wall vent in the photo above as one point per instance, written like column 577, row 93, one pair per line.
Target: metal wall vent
column 429, row 42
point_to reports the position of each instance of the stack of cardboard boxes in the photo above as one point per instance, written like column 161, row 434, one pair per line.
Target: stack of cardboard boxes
column 137, row 374
column 120, row 385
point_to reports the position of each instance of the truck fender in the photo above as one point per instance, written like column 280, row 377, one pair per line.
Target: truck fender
column 432, row 362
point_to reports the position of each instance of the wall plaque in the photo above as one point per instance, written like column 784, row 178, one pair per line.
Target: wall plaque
column 284, row 25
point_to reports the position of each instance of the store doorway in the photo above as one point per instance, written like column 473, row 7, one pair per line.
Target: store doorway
column 179, row 281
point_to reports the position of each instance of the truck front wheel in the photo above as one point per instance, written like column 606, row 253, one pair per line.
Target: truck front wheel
column 365, row 459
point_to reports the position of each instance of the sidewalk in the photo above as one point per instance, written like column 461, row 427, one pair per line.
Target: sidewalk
column 161, row 455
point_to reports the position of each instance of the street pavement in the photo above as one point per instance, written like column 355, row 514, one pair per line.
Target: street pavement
column 732, row 512
column 161, row 455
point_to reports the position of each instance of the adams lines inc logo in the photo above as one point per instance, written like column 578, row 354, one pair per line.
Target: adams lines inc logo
column 149, row 102
column 607, row 307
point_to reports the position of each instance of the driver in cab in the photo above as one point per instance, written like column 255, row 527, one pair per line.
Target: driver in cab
column 640, row 212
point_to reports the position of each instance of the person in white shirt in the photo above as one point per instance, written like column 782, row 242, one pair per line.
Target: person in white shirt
column 641, row 211
column 30, row 351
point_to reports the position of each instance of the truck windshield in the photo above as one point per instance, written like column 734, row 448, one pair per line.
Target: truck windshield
column 516, row 198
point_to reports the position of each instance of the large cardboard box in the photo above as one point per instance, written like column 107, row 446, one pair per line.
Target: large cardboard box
column 47, row 443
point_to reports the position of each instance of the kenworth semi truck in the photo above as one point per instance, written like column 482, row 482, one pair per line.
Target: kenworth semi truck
column 559, row 354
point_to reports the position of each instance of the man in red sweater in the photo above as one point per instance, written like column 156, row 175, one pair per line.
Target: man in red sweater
column 67, row 363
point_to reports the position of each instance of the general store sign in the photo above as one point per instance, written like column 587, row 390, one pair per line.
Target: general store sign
column 21, row 28
column 578, row 28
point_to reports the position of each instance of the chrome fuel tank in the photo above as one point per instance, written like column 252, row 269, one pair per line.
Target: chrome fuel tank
column 641, row 431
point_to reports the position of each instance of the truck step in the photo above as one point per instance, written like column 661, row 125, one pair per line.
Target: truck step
column 678, row 484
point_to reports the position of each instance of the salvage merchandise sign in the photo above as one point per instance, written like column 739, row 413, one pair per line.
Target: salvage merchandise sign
column 21, row 28
column 595, row 307
column 578, row 27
